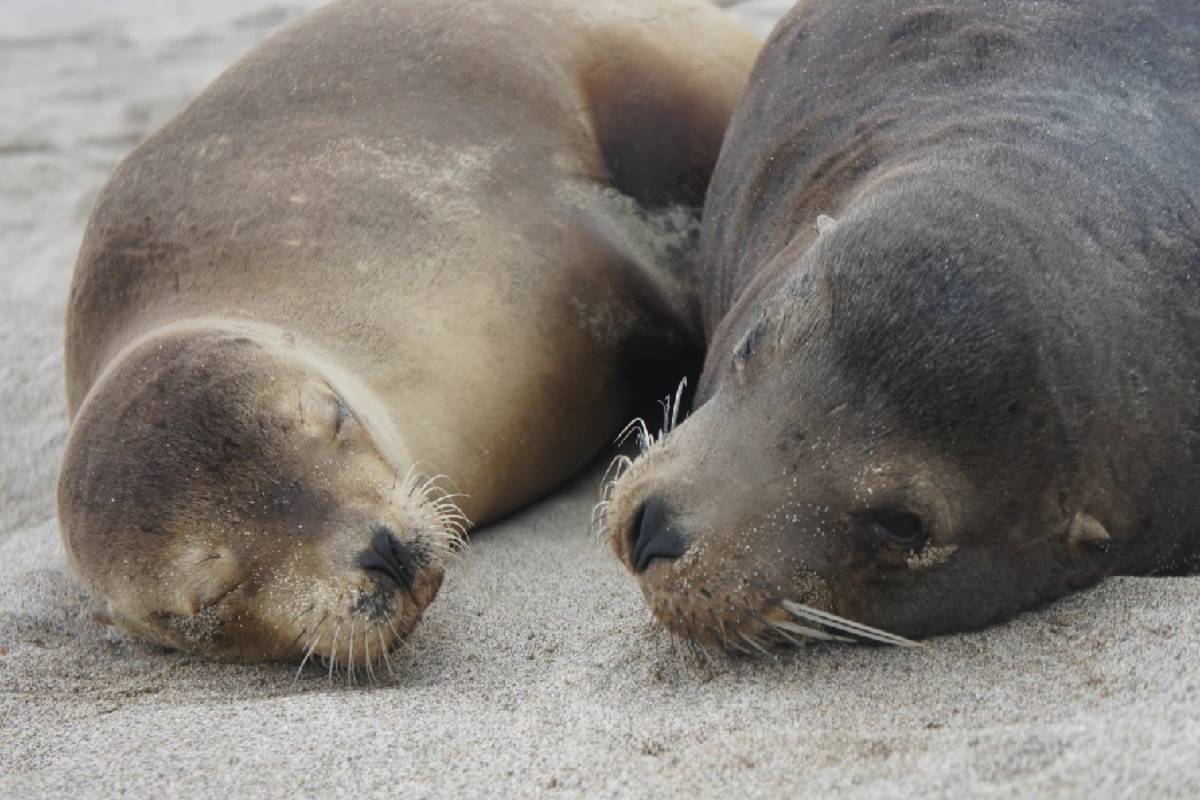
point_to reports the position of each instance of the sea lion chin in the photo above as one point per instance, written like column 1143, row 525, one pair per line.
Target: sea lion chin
column 952, row 342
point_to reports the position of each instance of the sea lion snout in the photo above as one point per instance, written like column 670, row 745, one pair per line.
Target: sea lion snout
column 392, row 562
column 654, row 536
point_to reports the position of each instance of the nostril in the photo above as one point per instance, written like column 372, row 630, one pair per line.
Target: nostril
column 390, row 558
column 653, row 536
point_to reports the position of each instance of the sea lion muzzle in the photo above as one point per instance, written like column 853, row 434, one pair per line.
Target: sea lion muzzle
column 654, row 537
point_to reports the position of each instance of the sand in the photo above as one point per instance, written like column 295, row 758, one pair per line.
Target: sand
column 538, row 670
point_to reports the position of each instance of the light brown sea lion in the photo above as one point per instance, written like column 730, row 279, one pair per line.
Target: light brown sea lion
column 952, row 265
column 401, row 239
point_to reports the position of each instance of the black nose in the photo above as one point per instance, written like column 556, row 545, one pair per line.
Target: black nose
column 390, row 558
column 654, row 536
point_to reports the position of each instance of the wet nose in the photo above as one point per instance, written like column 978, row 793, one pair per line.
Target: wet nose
column 654, row 536
column 390, row 558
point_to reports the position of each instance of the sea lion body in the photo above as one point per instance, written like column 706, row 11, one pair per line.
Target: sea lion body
column 952, row 256
column 397, row 239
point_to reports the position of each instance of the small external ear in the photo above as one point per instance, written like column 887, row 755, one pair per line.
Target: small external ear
column 825, row 224
column 1088, row 531
column 204, row 577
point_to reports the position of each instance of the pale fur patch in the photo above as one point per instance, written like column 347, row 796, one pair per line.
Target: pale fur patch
column 931, row 557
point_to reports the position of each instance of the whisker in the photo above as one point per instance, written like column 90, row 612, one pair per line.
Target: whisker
column 848, row 626
column 395, row 632
column 312, row 646
column 311, row 606
column 367, row 648
column 299, row 636
column 766, row 623
column 628, row 430
column 333, row 650
column 619, row 462
column 812, row 633
column 787, row 637
column 785, row 628
column 678, row 404
column 304, row 661
column 726, row 643
column 383, row 649
column 410, row 478
column 748, row 640
column 705, row 654
column 430, row 486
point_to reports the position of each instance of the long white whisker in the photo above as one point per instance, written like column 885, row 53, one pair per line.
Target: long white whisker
column 786, row 636
column 811, row 633
column 333, row 650
column 849, row 626
column 753, row 644
column 367, row 647
column 628, row 430
column 395, row 632
column 430, row 485
column 409, row 478
column 619, row 463
column 316, row 638
column 678, row 404
column 599, row 512
column 719, row 629
column 646, row 439
column 383, row 649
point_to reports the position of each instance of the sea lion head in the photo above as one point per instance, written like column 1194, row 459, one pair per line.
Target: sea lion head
column 225, row 490
column 878, row 447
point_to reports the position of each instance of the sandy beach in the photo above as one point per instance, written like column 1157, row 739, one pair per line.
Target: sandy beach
column 538, row 671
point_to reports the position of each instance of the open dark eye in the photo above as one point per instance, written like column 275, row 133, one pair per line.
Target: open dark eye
column 898, row 528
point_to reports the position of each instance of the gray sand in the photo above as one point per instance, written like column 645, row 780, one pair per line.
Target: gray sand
column 538, row 671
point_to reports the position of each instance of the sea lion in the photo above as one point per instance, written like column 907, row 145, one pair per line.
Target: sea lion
column 951, row 257
column 401, row 239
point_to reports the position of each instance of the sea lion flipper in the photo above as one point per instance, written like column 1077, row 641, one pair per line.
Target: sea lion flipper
column 660, row 96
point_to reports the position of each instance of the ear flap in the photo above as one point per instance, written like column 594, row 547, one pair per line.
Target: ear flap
column 205, row 577
column 1087, row 531
column 660, row 96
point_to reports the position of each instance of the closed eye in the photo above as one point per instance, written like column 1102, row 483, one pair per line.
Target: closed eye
column 341, row 414
column 747, row 346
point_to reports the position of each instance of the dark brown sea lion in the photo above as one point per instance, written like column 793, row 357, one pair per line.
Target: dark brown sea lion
column 402, row 238
column 979, row 388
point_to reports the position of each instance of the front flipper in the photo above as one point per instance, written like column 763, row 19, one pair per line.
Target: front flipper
column 661, row 92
